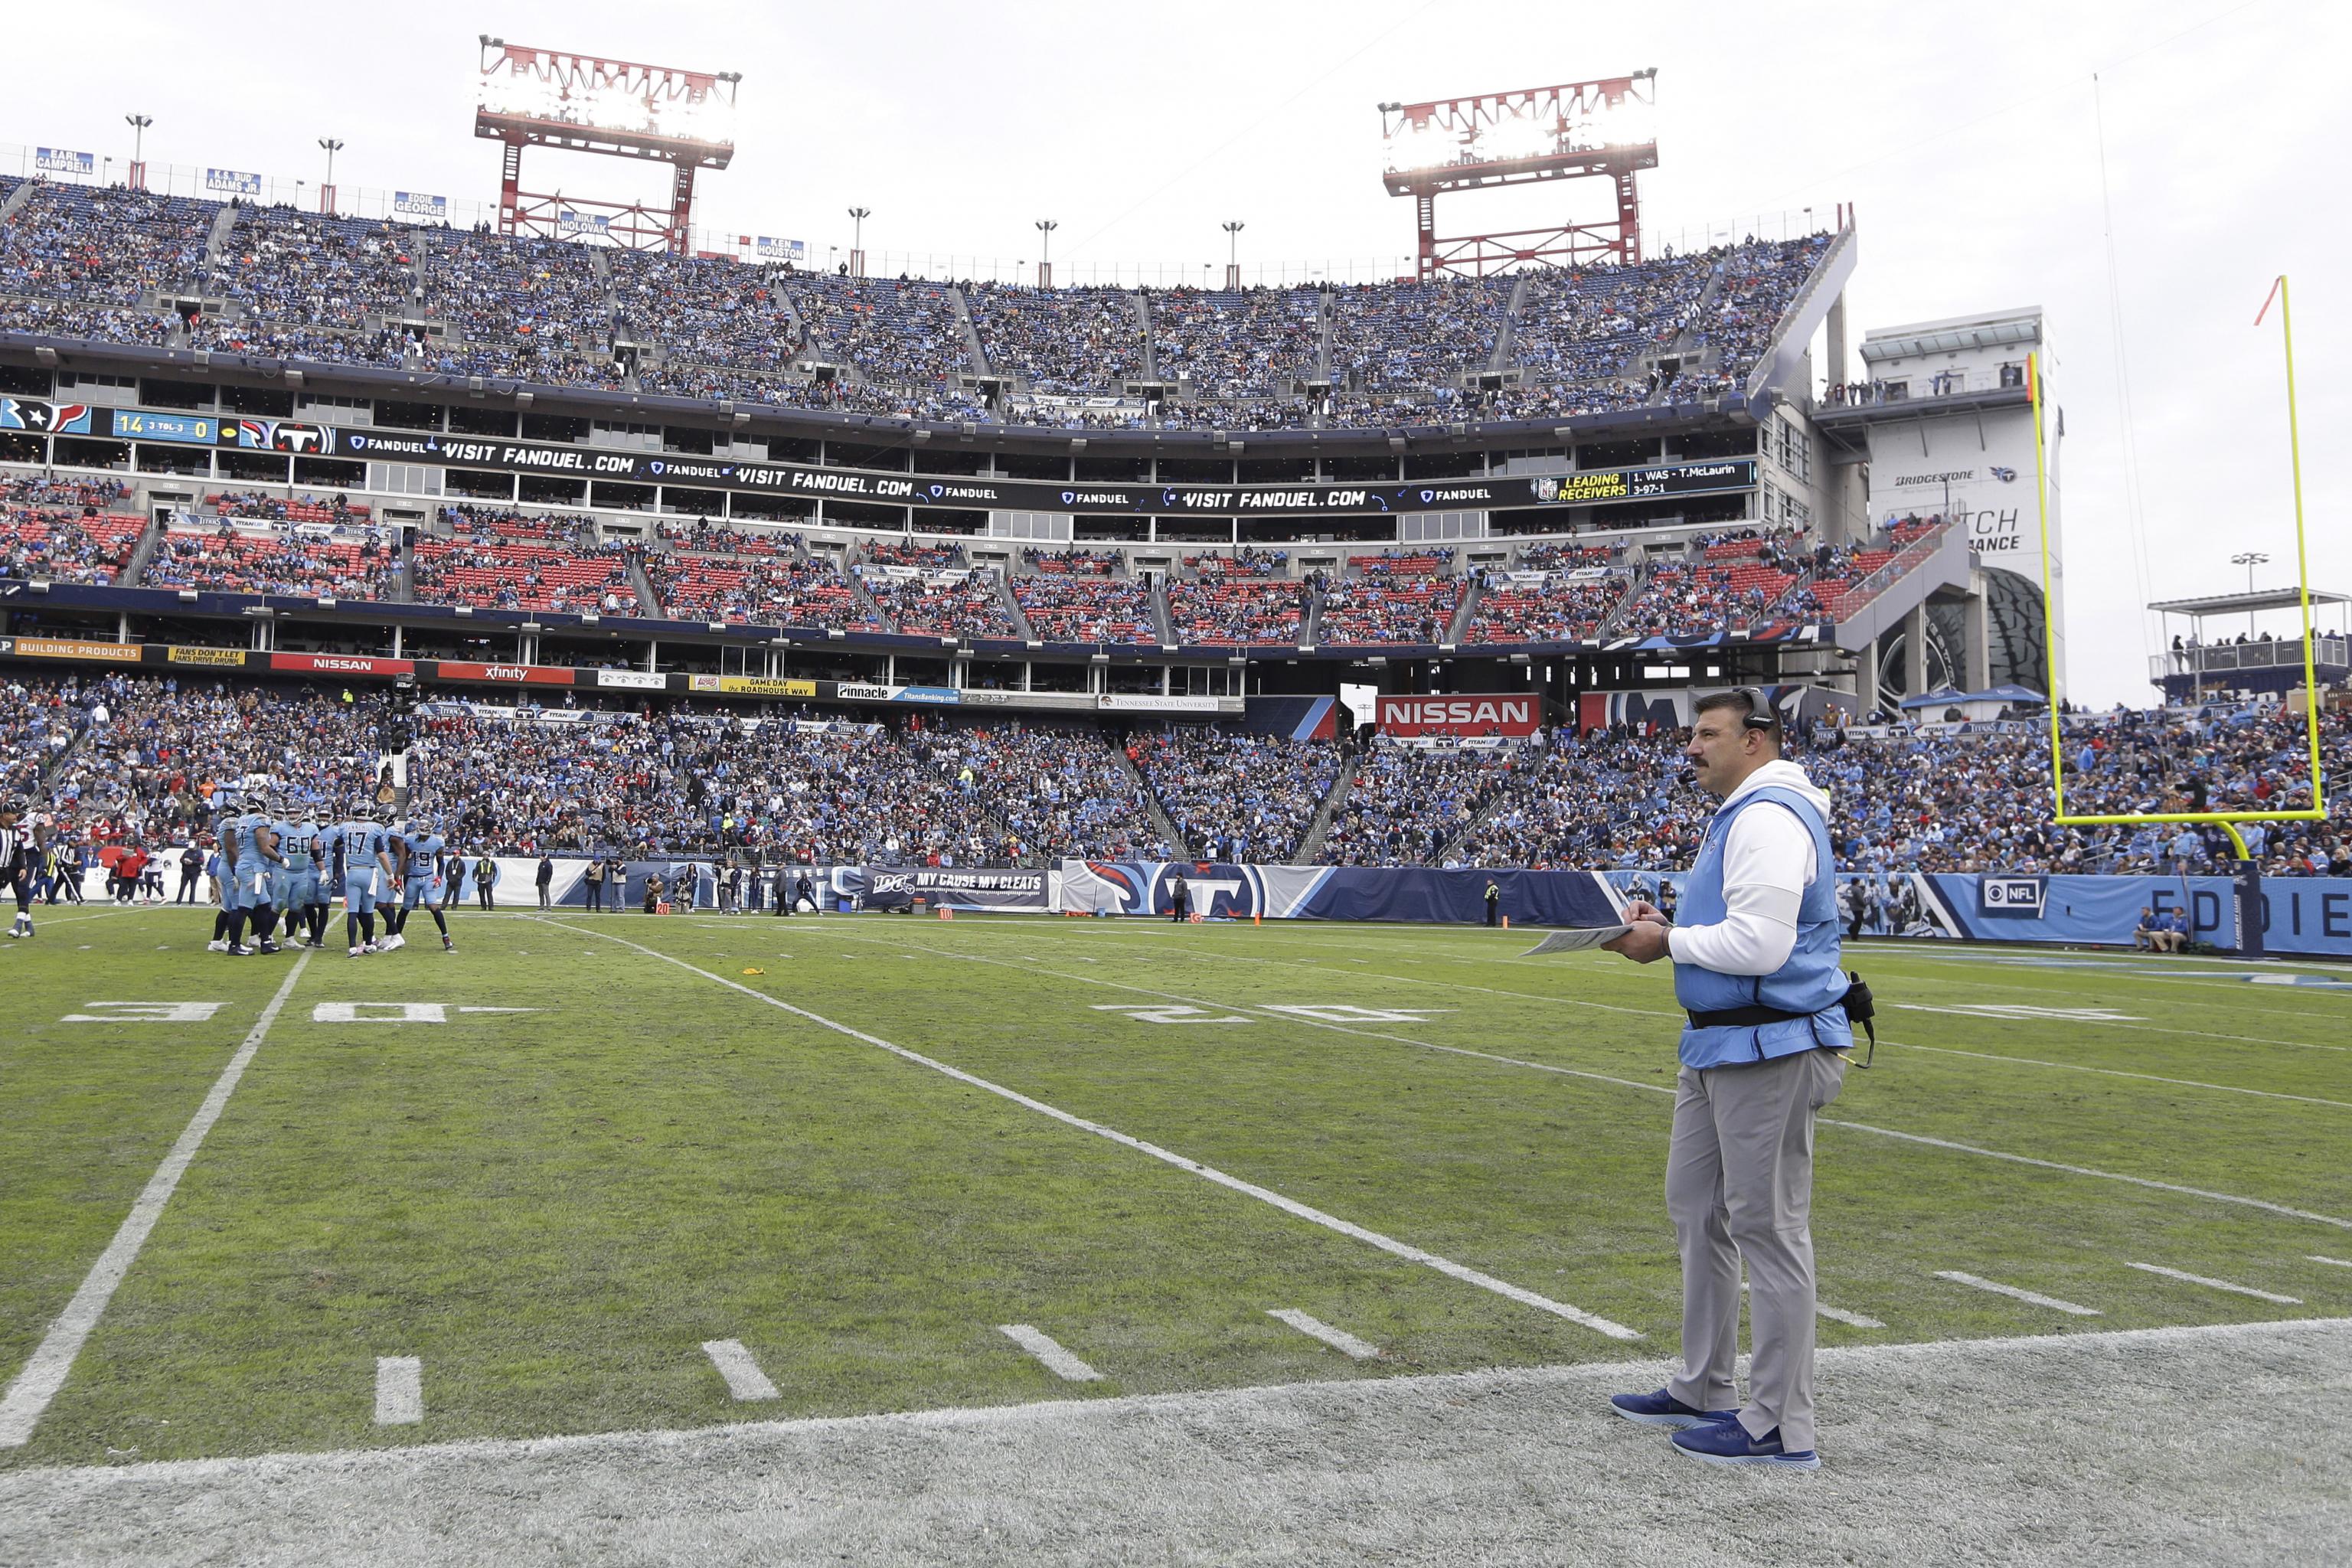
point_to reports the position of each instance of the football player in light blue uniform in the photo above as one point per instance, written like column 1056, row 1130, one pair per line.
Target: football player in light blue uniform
column 293, row 857
column 249, row 850
column 304, row 906
column 367, row 874
column 421, row 879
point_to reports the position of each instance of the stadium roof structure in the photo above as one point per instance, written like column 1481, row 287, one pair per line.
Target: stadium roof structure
column 1945, row 696
column 1984, row 329
column 2244, row 604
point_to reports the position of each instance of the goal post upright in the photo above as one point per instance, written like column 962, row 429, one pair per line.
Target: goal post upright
column 2226, row 821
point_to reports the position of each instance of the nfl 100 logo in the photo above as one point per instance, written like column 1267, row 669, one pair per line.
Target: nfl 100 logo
column 2017, row 897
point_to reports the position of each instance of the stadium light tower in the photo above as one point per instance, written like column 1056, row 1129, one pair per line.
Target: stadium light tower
column 1601, row 129
column 1234, row 257
column 139, row 124
column 616, row 108
column 327, row 191
column 858, row 216
column 1046, row 228
column 2249, row 560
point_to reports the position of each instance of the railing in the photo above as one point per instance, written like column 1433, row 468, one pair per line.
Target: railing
column 1912, row 554
column 1924, row 388
column 2222, row 659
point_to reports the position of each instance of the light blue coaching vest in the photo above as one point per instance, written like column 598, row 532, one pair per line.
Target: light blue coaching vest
column 1810, row 983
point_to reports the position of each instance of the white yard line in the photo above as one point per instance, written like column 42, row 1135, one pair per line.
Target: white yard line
column 1288, row 1206
column 2149, row 1184
column 1837, row 1314
column 1340, row 1340
column 2333, row 1262
column 2217, row 1284
column 399, row 1390
column 745, row 1380
column 52, row 1360
column 2030, row 1297
column 1056, row 1360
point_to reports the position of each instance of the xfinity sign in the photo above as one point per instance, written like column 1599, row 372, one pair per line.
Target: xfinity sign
column 1467, row 716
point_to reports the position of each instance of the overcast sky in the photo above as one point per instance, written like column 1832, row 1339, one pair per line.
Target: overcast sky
column 1965, row 136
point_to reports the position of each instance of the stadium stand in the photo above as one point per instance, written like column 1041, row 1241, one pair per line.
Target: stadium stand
column 1062, row 340
column 1237, row 797
column 297, row 268
column 59, row 529
column 235, row 559
column 518, row 560
column 1238, row 347
column 1393, row 597
column 765, row 590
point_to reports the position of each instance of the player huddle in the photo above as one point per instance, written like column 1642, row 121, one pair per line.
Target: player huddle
column 277, row 867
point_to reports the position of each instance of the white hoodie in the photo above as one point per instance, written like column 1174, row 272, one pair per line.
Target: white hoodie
column 1768, row 864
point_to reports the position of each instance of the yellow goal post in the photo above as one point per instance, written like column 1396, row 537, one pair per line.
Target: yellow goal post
column 2227, row 820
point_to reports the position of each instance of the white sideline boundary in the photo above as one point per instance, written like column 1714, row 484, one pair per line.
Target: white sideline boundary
column 52, row 1360
column 2018, row 1293
column 1288, row 1206
column 1056, row 1360
column 285, row 1464
column 2148, row 1183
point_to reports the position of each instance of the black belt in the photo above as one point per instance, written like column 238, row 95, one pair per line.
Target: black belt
column 1743, row 1018
column 1856, row 1002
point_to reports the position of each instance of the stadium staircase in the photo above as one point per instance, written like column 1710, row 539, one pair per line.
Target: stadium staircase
column 17, row 198
column 644, row 586
column 151, row 539
column 970, row 331
column 1160, row 817
column 1310, row 847
column 1013, row 607
column 1143, row 324
column 1500, row 359
column 55, row 767
column 1163, row 619
column 216, row 245
column 1473, row 586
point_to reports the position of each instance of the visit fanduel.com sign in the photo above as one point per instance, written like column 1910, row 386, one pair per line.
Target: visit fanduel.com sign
column 1465, row 716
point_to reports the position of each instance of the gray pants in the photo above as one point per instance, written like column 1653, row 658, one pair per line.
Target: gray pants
column 1739, row 1185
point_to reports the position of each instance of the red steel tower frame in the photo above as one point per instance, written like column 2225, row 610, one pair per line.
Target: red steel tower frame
column 1579, row 130
column 552, row 98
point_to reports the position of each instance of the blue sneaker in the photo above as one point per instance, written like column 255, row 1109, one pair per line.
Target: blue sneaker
column 1663, row 1409
column 1727, row 1443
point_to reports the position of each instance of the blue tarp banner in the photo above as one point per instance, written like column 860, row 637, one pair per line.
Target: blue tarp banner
column 2301, row 915
column 1336, row 892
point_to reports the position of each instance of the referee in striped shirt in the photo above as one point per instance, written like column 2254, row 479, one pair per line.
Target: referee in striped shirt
column 18, row 853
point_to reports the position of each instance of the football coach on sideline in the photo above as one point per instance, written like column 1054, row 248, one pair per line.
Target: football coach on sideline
column 1756, row 969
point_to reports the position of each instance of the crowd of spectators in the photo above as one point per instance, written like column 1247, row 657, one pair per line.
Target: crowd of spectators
column 707, row 311
column 709, row 538
column 1556, row 606
column 291, row 561
column 1236, row 610
column 1239, row 349
column 1062, row 340
column 1238, row 798
column 783, row 591
column 1405, row 335
column 308, row 286
column 500, row 559
column 1396, row 596
column 297, row 268
column 1406, row 802
column 63, row 530
column 1071, row 562
column 904, row 333
column 40, row 716
column 105, row 245
column 152, row 750
column 1087, row 609
column 941, row 603
column 1692, row 598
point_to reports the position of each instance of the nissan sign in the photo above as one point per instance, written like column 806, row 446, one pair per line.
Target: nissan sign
column 1468, row 717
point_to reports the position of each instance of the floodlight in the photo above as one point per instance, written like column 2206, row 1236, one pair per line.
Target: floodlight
column 1518, row 136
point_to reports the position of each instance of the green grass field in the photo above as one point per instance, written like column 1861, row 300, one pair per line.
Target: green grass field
column 554, row 1209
